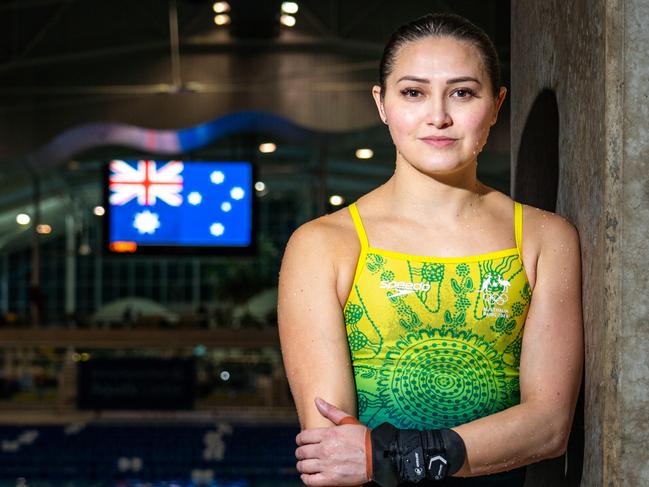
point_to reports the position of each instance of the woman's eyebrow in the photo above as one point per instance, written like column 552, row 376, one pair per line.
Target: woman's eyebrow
column 461, row 79
column 413, row 78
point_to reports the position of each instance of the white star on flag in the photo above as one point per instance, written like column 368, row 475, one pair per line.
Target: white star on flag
column 237, row 193
column 194, row 198
column 217, row 177
column 146, row 222
column 217, row 229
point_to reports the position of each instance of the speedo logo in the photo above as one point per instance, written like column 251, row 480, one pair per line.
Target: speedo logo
column 401, row 288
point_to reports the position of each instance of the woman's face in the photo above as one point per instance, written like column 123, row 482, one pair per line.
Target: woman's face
column 438, row 104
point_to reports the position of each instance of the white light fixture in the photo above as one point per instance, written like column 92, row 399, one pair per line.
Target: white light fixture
column 43, row 229
column 221, row 7
column 289, row 8
column 267, row 147
column 364, row 153
column 99, row 210
column 260, row 186
column 287, row 20
column 336, row 200
column 23, row 219
column 221, row 19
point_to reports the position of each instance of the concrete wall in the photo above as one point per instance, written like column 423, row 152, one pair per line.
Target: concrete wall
column 634, row 262
column 592, row 54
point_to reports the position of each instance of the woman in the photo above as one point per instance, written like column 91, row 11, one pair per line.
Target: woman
column 408, row 308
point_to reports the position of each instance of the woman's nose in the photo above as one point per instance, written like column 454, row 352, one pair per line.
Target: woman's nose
column 438, row 115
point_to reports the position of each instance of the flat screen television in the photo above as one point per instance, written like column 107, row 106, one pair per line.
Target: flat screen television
column 158, row 207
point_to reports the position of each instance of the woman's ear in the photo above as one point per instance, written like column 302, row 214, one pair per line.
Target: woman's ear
column 378, row 99
column 499, row 103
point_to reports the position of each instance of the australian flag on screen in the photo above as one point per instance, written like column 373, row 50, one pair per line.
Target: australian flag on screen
column 180, row 203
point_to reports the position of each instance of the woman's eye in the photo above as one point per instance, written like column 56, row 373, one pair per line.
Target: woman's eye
column 463, row 93
column 411, row 93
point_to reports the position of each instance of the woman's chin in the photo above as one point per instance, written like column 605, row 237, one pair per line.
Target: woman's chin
column 443, row 167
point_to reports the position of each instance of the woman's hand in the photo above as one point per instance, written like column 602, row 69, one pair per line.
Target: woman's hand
column 333, row 456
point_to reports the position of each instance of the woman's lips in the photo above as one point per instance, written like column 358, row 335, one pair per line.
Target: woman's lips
column 438, row 141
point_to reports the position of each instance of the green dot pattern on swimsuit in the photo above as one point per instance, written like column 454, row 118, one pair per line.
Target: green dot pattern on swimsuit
column 452, row 376
column 436, row 344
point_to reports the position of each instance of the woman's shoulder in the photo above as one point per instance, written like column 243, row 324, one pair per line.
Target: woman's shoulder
column 542, row 230
column 327, row 235
column 539, row 223
column 547, row 227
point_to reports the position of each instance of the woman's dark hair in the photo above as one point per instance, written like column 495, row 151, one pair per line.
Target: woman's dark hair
column 441, row 25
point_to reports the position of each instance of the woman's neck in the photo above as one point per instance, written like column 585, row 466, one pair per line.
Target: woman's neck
column 445, row 196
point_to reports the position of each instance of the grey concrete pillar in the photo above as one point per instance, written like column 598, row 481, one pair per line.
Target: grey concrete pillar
column 591, row 57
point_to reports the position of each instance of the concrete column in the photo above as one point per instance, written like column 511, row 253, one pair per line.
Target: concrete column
column 632, row 461
column 592, row 56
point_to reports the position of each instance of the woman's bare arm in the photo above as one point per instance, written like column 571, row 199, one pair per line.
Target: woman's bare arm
column 312, row 332
column 550, row 369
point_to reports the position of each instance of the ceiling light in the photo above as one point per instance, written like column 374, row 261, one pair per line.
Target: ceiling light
column 260, row 186
column 364, row 153
column 84, row 249
column 287, row 20
column 23, row 219
column 99, row 210
column 221, row 7
column 43, row 229
column 336, row 200
column 267, row 147
column 222, row 19
column 289, row 8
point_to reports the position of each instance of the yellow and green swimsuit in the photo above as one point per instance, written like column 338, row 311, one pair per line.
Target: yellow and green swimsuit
column 436, row 341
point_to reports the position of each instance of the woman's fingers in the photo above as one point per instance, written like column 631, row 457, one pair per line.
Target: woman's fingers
column 307, row 451
column 313, row 435
column 332, row 456
column 309, row 466
column 329, row 411
column 315, row 480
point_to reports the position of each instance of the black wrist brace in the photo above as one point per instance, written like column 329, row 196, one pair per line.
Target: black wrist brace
column 401, row 455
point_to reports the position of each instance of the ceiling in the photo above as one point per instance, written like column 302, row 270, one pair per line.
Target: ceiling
column 52, row 51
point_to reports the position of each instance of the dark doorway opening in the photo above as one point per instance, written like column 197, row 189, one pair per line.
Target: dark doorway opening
column 536, row 175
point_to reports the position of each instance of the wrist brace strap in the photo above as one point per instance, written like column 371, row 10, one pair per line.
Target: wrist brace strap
column 403, row 455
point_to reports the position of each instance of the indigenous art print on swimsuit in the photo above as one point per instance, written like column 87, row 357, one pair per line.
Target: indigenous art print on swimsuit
column 436, row 342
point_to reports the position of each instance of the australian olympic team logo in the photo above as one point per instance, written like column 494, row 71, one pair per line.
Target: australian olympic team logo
column 495, row 290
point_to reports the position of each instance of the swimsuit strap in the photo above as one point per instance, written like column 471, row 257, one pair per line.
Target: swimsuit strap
column 518, row 226
column 360, row 230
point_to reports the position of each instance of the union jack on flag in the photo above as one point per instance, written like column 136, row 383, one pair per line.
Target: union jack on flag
column 146, row 182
